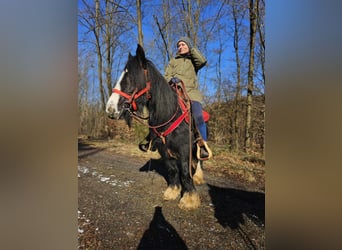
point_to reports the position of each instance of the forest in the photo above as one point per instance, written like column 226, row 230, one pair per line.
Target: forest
column 231, row 35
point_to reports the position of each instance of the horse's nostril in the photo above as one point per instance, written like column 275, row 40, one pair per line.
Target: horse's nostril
column 109, row 110
column 115, row 115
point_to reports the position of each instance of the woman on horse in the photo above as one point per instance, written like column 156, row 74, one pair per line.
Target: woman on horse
column 184, row 67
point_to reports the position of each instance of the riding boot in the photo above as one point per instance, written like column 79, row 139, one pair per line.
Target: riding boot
column 203, row 150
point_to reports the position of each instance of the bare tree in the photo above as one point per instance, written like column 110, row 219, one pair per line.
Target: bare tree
column 115, row 26
column 163, row 35
column 97, row 30
column 168, row 26
column 83, row 89
column 108, row 42
column 261, row 55
column 253, row 21
column 191, row 12
column 236, row 12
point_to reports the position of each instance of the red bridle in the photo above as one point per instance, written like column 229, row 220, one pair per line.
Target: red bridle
column 135, row 95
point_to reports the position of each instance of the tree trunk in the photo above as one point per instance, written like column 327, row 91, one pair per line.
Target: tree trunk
column 109, row 18
column 98, row 50
column 261, row 31
column 236, row 128
column 140, row 33
column 252, row 17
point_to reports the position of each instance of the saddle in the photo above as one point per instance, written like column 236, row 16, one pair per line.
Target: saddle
column 203, row 151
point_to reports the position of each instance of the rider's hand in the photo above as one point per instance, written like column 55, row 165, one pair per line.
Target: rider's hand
column 174, row 81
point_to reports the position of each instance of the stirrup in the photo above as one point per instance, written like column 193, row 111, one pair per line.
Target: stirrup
column 147, row 146
column 144, row 146
column 203, row 151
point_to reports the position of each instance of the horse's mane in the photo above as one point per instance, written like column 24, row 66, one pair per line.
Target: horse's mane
column 164, row 102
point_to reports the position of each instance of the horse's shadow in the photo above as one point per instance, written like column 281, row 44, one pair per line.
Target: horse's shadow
column 161, row 234
column 231, row 204
column 156, row 165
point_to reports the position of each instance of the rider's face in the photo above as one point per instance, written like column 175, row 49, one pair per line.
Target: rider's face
column 182, row 47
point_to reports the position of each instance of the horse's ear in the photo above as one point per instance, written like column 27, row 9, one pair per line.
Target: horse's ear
column 141, row 56
column 130, row 56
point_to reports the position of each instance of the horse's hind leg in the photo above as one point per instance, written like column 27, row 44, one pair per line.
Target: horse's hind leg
column 174, row 188
column 190, row 199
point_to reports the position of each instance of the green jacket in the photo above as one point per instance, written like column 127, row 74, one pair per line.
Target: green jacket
column 186, row 68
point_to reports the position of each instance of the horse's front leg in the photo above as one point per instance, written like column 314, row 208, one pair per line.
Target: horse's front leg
column 174, row 187
column 190, row 199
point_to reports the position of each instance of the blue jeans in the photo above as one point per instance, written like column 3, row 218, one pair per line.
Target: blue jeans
column 198, row 116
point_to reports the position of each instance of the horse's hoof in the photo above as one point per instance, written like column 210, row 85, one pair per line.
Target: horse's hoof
column 189, row 201
column 171, row 193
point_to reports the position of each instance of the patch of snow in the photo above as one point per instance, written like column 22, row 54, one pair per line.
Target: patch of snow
column 83, row 170
column 108, row 180
column 104, row 179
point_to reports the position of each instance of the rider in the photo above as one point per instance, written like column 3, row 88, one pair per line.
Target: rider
column 184, row 66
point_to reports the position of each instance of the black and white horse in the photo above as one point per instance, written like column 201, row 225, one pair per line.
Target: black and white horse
column 142, row 85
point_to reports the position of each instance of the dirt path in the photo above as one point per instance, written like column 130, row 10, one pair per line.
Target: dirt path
column 121, row 207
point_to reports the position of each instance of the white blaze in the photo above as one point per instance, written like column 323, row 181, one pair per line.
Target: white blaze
column 112, row 104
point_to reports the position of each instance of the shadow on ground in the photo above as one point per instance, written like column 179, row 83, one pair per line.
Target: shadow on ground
column 232, row 208
column 230, row 205
column 86, row 149
column 155, row 165
column 161, row 234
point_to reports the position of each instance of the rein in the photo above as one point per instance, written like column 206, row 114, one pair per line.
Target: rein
column 139, row 119
column 173, row 126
